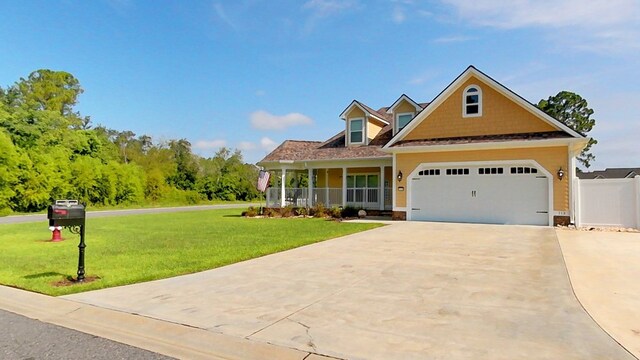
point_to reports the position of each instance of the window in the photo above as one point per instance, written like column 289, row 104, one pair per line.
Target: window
column 362, row 188
column 356, row 131
column 429, row 172
column 472, row 101
column 523, row 170
column 402, row 120
column 457, row 172
column 491, row 171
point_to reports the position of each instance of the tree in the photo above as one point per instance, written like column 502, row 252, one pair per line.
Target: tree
column 8, row 165
column 49, row 90
column 572, row 110
column 186, row 166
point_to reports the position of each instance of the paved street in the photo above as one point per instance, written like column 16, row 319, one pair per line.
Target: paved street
column 22, row 338
column 108, row 213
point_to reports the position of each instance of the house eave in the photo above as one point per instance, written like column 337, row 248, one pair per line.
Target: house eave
column 575, row 146
column 302, row 164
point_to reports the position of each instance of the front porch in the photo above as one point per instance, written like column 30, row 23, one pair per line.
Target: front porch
column 366, row 198
column 360, row 187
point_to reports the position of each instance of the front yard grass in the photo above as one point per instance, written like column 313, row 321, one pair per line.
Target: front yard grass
column 130, row 249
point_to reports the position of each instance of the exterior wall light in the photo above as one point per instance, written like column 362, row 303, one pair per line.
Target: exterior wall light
column 560, row 173
column 399, row 175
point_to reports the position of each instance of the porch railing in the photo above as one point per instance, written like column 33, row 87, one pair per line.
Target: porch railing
column 367, row 198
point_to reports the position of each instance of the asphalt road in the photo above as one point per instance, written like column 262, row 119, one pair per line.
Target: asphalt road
column 98, row 214
column 22, row 338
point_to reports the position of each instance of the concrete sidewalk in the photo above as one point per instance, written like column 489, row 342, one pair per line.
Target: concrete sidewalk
column 175, row 340
column 604, row 268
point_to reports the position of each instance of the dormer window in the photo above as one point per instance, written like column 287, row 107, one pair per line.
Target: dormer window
column 472, row 101
column 402, row 120
column 356, row 131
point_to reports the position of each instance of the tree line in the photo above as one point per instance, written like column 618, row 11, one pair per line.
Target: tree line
column 48, row 151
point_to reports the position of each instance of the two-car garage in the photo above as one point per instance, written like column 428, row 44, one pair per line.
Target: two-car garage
column 499, row 193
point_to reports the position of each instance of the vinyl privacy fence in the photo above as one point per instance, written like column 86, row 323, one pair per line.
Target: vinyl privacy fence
column 608, row 202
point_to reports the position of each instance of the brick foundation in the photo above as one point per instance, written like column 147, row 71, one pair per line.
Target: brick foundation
column 399, row 215
column 561, row 220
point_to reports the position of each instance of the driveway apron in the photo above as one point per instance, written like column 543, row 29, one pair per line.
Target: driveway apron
column 405, row 291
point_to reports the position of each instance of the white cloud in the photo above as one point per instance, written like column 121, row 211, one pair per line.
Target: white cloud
column 267, row 144
column 246, row 146
column 452, row 39
column 596, row 25
column 551, row 13
column 222, row 15
column 209, row 144
column 423, row 77
column 324, row 8
column 265, row 121
column 398, row 15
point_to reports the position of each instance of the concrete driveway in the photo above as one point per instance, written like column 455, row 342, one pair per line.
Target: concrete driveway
column 405, row 291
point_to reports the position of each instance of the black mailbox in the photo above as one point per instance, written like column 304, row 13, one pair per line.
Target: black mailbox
column 66, row 213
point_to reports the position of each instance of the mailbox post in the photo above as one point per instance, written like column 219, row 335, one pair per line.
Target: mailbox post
column 71, row 215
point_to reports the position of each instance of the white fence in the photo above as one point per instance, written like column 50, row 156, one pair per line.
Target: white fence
column 608, row 202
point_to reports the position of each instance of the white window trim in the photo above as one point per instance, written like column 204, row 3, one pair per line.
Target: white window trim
column 396, row 123
column 364, row 131
column 464, row 101
column 365, row 174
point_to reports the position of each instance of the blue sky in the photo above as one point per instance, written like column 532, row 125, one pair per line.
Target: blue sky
column 250, row 74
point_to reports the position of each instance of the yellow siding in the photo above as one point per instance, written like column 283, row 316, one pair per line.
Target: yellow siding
column 365, row 170
column 551, row 158
column 373, row 130
column 500, row 115
column 355, row 112
column 404, row 107
column 335, row 178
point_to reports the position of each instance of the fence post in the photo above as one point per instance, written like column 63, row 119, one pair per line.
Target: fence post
column 268, row 201
column 637, row 181
column 576, row 201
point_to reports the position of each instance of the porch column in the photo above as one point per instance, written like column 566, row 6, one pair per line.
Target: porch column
column 283, row 180
column 326, row 188
column 381, row 187
column 310, row 194
column 344, row 186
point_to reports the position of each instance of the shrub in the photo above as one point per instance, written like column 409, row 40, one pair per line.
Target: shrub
column 349, row 212
column 287, row 211
column 336, row 212
column 271, row 212
column 250, row 212
column 302, row 211
column 318, row 210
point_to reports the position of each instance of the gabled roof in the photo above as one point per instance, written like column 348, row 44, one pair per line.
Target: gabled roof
column 332, row 149
column 404, row 97
column 367, row 110
column 610, row 173
column 469, row 72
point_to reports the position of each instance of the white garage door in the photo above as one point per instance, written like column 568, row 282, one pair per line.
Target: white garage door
column 507, row 194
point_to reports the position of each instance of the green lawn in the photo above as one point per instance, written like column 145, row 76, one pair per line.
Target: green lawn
column 131, row 249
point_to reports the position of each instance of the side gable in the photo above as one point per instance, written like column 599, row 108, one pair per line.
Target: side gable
column 503, row 112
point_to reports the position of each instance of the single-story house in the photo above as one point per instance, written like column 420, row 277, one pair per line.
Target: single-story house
column 610, row 173
column 478, row 152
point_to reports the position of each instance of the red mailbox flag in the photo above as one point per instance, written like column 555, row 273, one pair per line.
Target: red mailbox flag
column 263, row 181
